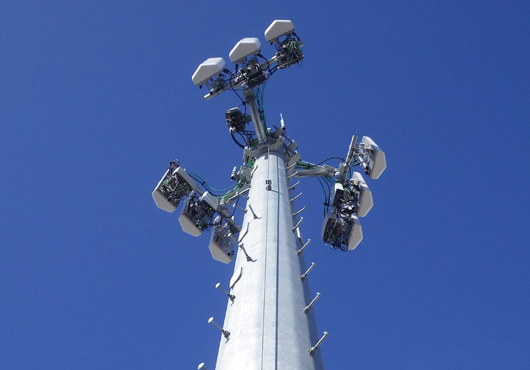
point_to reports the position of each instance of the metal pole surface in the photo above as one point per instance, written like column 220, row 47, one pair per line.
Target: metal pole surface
column 267, row 324
column 250, row 98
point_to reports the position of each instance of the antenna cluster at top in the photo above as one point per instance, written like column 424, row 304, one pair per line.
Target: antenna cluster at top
column 347, row 196
column 248, row 71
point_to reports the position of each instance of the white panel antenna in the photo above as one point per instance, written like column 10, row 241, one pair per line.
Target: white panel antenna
column 210, row 68
column 356, row 233
column 210, row 200
column 277, row 29
column 366, row 201
column 377, row 158
column 198, row 213
column 337, row 194
column 222, row 244
column 160, row 199
column 244, row 48
column 342, row 232
column 175, row 185
column 188, row 226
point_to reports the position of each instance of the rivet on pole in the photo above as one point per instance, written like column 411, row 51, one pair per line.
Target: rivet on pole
column 295, row 198
column 312, row 350
column 296, row 213
column 303, row 276
column 303, row 247
column 291, row 177
column 226, row 333
column 298, row 224
column 231, row 296
column 293, row 186
column 201, row 366
column 308, row 307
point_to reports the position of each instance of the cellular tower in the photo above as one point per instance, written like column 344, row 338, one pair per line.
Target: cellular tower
column 269, row 321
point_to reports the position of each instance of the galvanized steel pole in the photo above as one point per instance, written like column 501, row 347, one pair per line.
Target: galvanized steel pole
column 269, row 328
column 269, row 322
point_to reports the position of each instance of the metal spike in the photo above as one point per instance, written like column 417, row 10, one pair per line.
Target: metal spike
column 296, row 213
column 308, row 307
column 293, row 186
column 295, row 198
column 303, row 247
column 242, row 209
column 249, row 259
column 226, row 333
column 231, row 296
column 245, row 234
column 291, row 177
column 254, row 214
column 303, row 276
column 298, row 224
column 313, row 349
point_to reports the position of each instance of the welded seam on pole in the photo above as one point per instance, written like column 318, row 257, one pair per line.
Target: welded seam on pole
column 277, row 257
column 265, row 261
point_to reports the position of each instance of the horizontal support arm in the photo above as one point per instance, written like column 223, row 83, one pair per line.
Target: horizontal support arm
column 240, row 82
column 316, row 171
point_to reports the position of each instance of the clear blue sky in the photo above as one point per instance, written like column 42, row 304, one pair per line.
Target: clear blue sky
column 96, row 98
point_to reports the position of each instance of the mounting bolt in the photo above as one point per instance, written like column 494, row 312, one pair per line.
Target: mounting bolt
column 303, row 276
column 308, row 307
column 231, row 296
column 249, row 259
column 226, row 333
column 313, row 349
column 298, row 224
column 303, row 247
column 253, row 213
column 241, row 209
column 296, row 213
column 294, row 185
column 245, row 234
column 295, row 198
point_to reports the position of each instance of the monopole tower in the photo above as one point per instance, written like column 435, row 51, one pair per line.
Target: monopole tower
column 269, row 321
